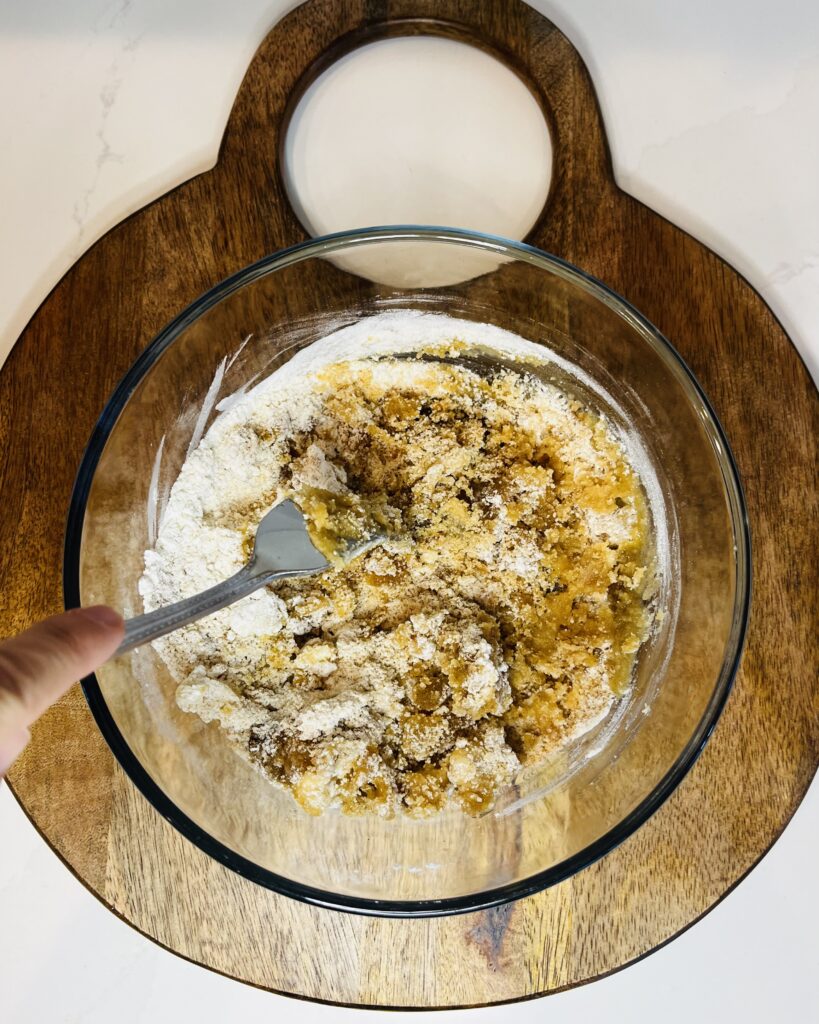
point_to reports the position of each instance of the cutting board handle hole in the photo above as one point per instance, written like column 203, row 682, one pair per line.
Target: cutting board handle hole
column 416, row 129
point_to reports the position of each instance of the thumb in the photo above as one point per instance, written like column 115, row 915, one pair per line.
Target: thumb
column 39, row 665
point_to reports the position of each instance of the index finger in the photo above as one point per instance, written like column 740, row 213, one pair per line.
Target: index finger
column 39, row 665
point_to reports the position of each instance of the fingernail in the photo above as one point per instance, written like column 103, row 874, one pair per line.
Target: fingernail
column 104, row 615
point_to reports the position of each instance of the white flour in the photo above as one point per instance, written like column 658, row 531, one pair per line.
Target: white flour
column 344, row 689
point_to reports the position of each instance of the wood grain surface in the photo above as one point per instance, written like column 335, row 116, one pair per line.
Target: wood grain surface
column 760, row 760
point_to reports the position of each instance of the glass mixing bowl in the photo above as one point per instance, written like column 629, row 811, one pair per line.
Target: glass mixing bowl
column 587, row 798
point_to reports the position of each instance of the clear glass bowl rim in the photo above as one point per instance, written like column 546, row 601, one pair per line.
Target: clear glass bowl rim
column 327, row 245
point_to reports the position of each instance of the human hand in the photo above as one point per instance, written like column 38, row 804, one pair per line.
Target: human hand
column 39, row 665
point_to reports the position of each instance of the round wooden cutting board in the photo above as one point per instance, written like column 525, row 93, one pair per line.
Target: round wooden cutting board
column 760, row 760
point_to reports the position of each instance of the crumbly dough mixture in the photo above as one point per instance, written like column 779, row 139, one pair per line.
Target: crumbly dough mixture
column 498, row 619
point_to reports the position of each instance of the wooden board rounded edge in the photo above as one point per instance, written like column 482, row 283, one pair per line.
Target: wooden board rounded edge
column 703, row 841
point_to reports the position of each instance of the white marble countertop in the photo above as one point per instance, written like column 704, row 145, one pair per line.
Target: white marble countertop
column 712, row 112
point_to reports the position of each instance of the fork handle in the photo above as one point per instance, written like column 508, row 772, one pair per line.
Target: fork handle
column 143, row 628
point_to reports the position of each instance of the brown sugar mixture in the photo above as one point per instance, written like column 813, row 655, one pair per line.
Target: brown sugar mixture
column 499, row 619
